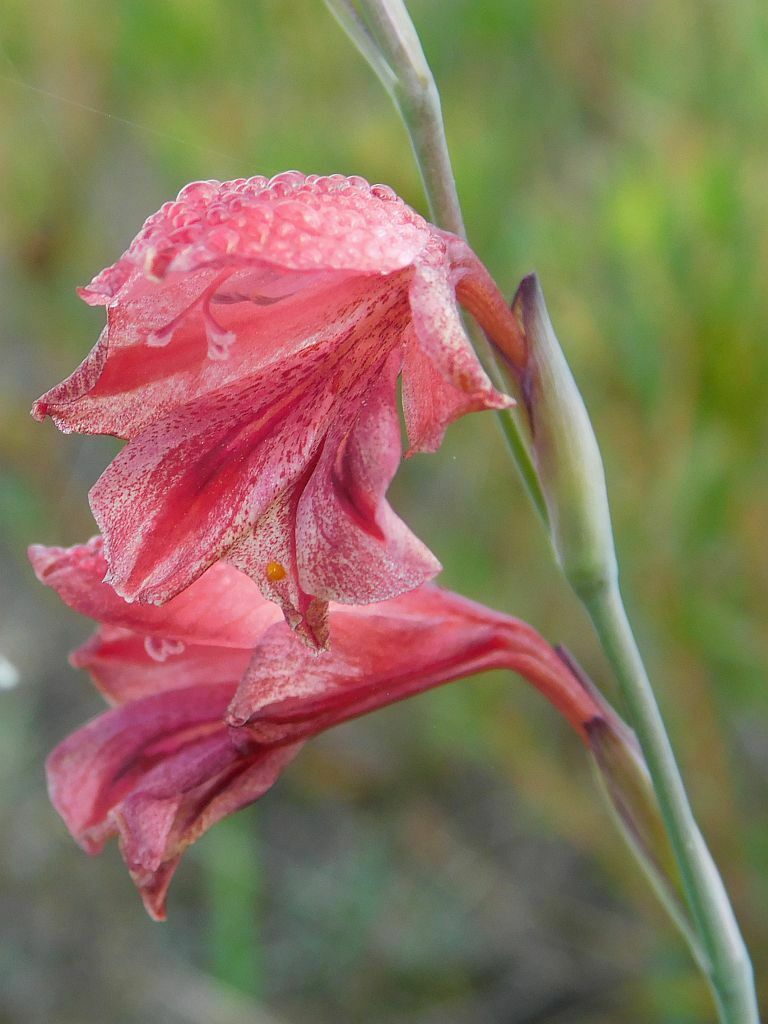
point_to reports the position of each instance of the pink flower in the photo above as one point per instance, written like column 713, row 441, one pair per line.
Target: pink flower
column 256, row 330
column 213, row 696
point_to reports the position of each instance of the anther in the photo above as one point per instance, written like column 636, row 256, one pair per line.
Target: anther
column 275, row 572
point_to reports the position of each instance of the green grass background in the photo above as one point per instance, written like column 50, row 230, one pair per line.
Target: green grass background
column 446, row 861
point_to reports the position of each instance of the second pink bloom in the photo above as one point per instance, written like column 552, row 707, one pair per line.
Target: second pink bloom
column 213, row 696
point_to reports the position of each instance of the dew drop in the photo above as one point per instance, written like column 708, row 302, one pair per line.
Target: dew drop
column 199, row 191
column 290, row 178
column 383, row 192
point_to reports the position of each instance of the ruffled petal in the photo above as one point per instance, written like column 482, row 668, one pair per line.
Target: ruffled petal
column 351, row 546
column 440, row 333
column 223, row 607
column 268, row 553
column 172, row 343
column 96, row 767
column 293, row 221
column 251, row 325
column 157, row 772
column 58, row 402
column 237, row 475
column 430, row 402
column 126, row 666
column 219, row 281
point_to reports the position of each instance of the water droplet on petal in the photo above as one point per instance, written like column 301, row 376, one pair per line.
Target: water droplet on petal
column 199, row 191
column 291, row 178
column 383, row 192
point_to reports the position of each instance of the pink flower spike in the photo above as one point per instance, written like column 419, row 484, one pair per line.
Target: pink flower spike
column 253, row 327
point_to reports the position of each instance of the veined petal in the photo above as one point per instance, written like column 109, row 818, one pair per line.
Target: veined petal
column 240, row 475
column 193, row 484
column 293, row 221
column 223, row 608
column 69, row 393
column 386, row 652
column 156, row 353
column 430, row 401
column 440, row 333
column 97, row 766
column 126, row 666
column 351, row 546
column 202, row 729
column 157, row 772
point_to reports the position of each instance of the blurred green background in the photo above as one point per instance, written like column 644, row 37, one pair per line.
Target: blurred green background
column 446, row 861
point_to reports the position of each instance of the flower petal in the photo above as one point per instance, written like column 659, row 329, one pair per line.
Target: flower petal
column 430, row 402
column 224, row 607
column 97, row 766
column 253, row 327
column 156, row 353
column 157, row 772
column 441, row 335
column 126, row 666
column 351, row 546
column 241, row 473
column 293, row 221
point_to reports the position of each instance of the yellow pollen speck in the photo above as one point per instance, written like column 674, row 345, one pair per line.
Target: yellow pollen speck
column 275, row 572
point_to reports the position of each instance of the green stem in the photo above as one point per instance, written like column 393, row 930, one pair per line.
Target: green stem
column 727, row 966
column 383, row 31
column 513, row 435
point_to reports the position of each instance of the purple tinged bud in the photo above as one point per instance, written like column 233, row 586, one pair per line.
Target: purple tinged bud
column 624, row 780
column 625, row 783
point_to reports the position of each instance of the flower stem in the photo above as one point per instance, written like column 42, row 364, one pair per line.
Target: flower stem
column 727, row 964
column 384, row 32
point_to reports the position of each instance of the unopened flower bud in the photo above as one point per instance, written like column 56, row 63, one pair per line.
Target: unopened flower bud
column 565, row 451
